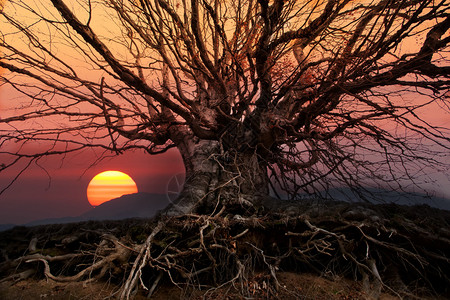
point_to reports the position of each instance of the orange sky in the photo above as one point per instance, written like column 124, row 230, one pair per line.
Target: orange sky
column 67, row 192
column 1, row 8
column 35, row 196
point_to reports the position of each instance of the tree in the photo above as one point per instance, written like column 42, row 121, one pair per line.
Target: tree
column 287, row 96
column 258, row 97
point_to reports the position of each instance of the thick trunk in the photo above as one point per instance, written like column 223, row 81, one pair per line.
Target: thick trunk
column 214, row 178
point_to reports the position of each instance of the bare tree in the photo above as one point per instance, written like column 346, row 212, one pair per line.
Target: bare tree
column 257, row 96
column 293, row 96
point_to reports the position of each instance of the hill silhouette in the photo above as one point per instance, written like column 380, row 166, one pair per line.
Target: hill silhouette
column 146, row 205
column 139, row 205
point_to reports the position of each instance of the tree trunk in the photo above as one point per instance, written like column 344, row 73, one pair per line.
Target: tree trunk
column 215, row 178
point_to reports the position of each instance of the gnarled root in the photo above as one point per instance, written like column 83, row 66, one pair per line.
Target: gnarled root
column 109, row 251
column 243, row 255
column 216, row 251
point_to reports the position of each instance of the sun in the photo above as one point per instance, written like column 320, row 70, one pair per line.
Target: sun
column 109, row 185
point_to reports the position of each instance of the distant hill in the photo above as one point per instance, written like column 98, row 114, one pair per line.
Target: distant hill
column 146, row 205
column 374, row 195
column 4, row 227
column 139, row 205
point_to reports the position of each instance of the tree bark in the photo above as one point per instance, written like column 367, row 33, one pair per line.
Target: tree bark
column 215, row 177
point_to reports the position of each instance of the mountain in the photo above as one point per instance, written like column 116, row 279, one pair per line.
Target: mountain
column 4, row 227
column 378, row 195
column 146, row 205
column 139, row 205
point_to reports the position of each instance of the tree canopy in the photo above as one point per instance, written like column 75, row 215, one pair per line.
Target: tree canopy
column 292, row 96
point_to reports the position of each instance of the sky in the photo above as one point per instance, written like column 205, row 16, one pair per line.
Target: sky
column 36, row 196
column 56, row 187
column 59, row 190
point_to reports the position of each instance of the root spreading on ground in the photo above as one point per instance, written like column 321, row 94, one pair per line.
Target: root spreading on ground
column 402, row 251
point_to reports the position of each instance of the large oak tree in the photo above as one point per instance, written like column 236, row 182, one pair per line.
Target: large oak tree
column 288, row 96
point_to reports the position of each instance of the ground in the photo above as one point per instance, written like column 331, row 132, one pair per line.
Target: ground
column 308, row 251
column 308, row 285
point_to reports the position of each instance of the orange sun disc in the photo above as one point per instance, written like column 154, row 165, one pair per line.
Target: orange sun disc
column 109, row 185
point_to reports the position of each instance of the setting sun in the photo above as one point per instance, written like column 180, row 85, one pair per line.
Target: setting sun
column 109, row 185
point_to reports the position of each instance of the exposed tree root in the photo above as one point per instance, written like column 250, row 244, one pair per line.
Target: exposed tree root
column 104, row 258
column 140, row 263
column 397, row 253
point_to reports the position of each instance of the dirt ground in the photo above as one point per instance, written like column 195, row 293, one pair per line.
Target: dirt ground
column 293, row 286
column 404, row 229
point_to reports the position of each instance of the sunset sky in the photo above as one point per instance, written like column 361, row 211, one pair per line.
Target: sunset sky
column 56, row 186
column 36, row 196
